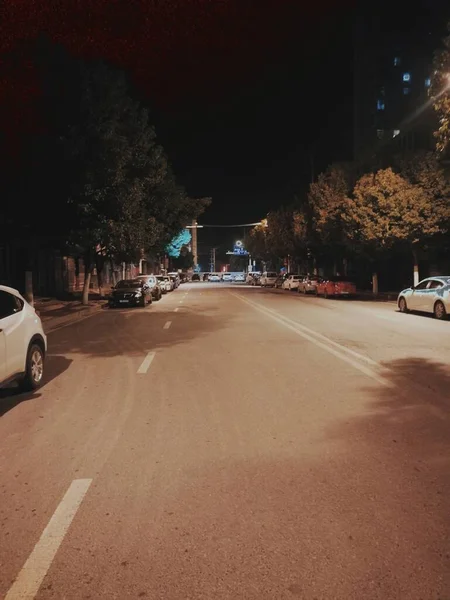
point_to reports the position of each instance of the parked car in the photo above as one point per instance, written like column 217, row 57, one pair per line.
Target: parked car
column 196, row 277
column 279, row 281
column 431, row 295
column 214, row 277
column 291, row 282
column 336, row 286
column 251, row 276
column 309, row 284
column 130, row 292
column 227, row 277
column 153, row 284
column 184, row 278
column 205, row 277
column 256, row 279
column 166, row 283
column 239, row 277
column 23, row 343
column 175, row 278
column 268, row 279
column 175, row 281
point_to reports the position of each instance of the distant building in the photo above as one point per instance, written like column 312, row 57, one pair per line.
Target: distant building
column 392, row 69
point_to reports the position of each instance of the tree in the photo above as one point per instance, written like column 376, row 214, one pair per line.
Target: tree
column 185, row 260
column 440, row 93
column 256, row 242
column 112, row 180
column 327, row 200
column 387, row 209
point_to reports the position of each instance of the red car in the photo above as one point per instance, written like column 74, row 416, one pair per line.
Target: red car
column 336, row 286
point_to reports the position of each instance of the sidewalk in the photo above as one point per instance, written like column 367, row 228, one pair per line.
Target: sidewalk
column 57, row 313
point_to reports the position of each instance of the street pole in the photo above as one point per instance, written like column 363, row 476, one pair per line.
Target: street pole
column 194, row 243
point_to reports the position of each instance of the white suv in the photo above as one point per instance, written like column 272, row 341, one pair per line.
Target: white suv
column 23, row 343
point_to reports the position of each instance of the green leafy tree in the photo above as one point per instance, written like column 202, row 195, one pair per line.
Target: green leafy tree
column 118, row 191
column 440, row 93
column 386, row 209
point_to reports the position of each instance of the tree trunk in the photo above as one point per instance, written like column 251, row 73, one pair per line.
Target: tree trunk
column 100, row 263
column 345, row 267
column 375, row 283
column 88, row 266
column 113, row 273
column 416, row 267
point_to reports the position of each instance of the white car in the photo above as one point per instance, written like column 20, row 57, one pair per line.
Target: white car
column 292, row 282
column 251, row 276
column 240, row 277
column 23, row 343
column 165, row 282
column 268, row 279
column 431, row 295
column 227, row 277
column 214, row 277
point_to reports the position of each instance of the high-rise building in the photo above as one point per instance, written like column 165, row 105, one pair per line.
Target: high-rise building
column 392, row 68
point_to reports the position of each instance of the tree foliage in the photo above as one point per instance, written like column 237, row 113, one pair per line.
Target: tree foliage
column 328, row 200
column 440, row 93
column 104, row 171
column 386, row 208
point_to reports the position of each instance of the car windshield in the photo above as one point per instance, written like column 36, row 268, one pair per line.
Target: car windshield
column 271, row 274
column 129, row 283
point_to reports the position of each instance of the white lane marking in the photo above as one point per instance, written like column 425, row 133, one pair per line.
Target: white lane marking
column 315, row 333
column 30, row 578
column 181, row 301
column 146, row 363
column 167, row 325
column 328, row 345
column 176, row 309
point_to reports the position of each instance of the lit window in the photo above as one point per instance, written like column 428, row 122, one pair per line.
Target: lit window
column 427, row 82
column 396, row 132
column 406, row 91
column 397, row 61
column 406, row 76
column 380, row 133
column 380, row 104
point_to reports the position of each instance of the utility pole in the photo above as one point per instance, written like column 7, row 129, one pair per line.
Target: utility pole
column 194, row 243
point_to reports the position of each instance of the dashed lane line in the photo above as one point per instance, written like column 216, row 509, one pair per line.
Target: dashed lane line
column 145, row 365
column 32, row 574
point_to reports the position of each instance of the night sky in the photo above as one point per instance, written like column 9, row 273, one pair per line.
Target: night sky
column 244, row 94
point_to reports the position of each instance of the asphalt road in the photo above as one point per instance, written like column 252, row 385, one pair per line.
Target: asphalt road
column 263, row 445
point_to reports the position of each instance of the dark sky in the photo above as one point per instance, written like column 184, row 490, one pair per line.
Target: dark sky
column 242, row 92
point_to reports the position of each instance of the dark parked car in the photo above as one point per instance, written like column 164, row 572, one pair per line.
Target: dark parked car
column 196, row 277
column 153, row 284
column 130, row 292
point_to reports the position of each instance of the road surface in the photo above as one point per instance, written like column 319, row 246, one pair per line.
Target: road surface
column 232, row 443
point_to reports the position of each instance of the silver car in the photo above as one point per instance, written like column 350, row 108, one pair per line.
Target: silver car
column 308, row 284
column 431, row 295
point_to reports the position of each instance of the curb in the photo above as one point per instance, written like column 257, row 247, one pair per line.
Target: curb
column 361, row 296
column 77, row 316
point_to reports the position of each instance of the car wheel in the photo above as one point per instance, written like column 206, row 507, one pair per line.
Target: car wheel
column 403, row 307
column 34, row 369
column 439, row 311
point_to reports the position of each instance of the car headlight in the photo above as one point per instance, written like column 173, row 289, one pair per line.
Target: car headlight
column 138, row 293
